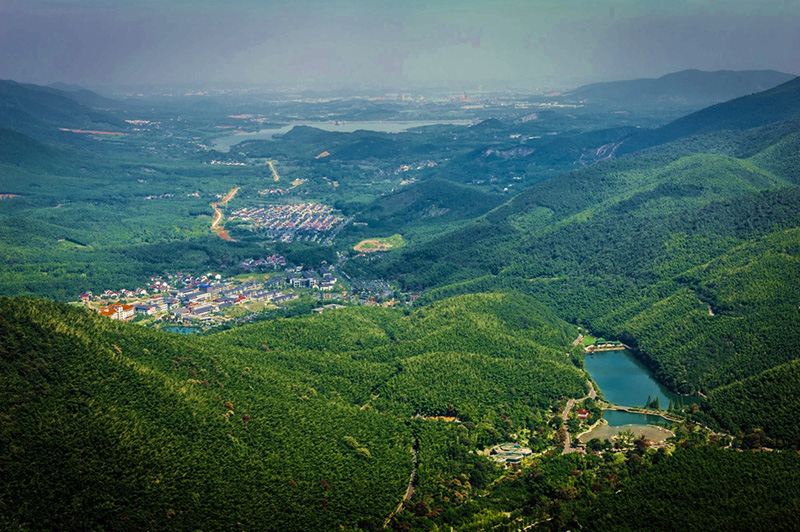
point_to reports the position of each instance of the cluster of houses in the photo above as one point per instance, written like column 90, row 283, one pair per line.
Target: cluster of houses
column 200, row 298
column 418, row 166
column 601, row 344
column 323, row 279
column 198, row 305
column 286, row 222
column 273, row 261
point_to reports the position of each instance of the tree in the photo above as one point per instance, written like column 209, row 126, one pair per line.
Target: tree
column 625, row 438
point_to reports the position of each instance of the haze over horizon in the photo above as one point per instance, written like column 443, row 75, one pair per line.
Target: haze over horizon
column 381, row 44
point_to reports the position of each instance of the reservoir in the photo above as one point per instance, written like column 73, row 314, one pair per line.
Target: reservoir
column 625, row 381
column 224, row 144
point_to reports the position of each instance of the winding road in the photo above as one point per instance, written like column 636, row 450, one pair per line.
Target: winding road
column 568, row 441
column 215, row 224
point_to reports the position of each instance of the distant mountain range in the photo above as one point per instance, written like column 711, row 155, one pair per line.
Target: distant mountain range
column 40, row 111
column 773, row 105
column 686, row 85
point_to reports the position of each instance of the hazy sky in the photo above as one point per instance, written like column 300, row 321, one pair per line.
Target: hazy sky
column 398, row 43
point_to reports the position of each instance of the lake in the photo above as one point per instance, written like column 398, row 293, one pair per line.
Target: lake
column 626, row 381
column 389, row 126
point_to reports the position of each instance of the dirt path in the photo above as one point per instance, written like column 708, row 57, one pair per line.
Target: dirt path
column 646, row 412
column 578, row 339
column 409, row 490
column 568, row 440
column 217, row 221
column 275, row 175
column 592, row 392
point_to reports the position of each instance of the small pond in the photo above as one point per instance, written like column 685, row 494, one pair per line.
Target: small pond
column 617, row 418
column 180, row 330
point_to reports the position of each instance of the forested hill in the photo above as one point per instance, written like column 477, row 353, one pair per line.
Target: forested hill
column 86, row 96
column 775, row 105
column 299, row 424
column 17, row 149
column 424, row 208
column 691, row 86
column 40, row 111
column 693, row 259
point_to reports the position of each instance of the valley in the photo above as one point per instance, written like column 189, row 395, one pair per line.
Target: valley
column 419, row 327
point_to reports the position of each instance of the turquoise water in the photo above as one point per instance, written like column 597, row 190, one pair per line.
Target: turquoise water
column 618, row 418
column 390, row 126
column 180, row 330
column 626, row 381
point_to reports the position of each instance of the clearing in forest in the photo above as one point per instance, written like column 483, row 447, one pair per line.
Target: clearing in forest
column 380, row 244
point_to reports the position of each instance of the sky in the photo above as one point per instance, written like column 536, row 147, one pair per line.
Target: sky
column 398, row 44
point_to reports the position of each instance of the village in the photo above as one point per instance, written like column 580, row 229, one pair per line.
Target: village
column 290, row 222
column 206, row 301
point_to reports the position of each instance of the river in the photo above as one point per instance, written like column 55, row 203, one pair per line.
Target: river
column 224, row 144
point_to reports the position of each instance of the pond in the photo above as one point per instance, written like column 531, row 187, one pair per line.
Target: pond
column 626, row 381
column 180, row 330
column 618, row 418
column 390, row 126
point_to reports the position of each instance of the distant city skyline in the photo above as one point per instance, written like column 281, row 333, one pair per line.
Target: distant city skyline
column 381, row 44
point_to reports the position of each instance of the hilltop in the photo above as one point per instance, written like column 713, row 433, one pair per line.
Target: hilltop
column 781, row 103
column 695, row 87
column 41, row 111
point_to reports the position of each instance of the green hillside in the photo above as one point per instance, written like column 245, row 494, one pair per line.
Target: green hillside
column 691, row 259
column 41, row 110
column 17, row 149
column 775, row 105
column 422, row 209
column 109, row 425
column 718, row 490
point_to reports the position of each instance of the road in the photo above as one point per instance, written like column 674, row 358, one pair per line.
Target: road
column 275, row 175
column 565, row 414
column 215, row 224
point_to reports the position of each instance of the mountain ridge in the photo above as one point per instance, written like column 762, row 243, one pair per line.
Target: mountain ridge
column 690, row 84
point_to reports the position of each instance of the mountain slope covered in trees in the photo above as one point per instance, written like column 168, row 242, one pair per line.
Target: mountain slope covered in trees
column 287, row 425
column 690, row 258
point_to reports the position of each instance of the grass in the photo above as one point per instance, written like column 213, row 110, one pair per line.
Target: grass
column 248, row 307
column 248, row 277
